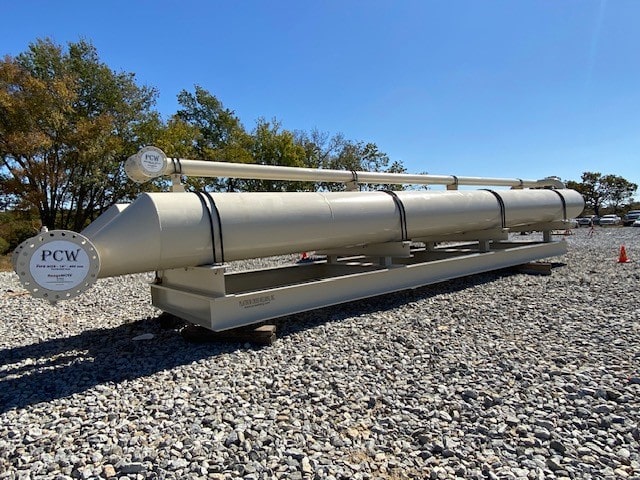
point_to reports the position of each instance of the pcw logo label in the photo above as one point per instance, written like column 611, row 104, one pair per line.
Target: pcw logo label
column 59, row 265
column 60, row 255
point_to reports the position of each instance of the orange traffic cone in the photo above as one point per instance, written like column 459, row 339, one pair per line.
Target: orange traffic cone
column 623, row 255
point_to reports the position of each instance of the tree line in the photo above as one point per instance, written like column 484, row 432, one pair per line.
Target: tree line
column 68, row 122
column 604, row 191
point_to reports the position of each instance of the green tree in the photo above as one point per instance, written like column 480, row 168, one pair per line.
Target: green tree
column 396, row 167
column 591, row 190
column 321, row 149
column 273, row 145
column 217, row 135
column 618, row 191
column 67, row 121
column 364, row 157
column 318, row 147
column 601, row 191
column 205, row 129
column 338, row 153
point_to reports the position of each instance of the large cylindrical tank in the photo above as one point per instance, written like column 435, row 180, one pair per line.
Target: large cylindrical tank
column 167, row 230
column 160, row 231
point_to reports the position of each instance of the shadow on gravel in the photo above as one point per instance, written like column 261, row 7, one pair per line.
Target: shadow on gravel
column 60, row 367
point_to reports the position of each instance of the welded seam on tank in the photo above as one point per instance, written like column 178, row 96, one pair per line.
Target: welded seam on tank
column 564, row 203
column 328, row 203
column 219, row 221
column 503, row 210
column 403, row 214
column 211, row 231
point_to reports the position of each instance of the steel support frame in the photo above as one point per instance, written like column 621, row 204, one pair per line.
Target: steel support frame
column 216, row 300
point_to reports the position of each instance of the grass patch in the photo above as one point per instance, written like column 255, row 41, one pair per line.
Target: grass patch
column 5, row 263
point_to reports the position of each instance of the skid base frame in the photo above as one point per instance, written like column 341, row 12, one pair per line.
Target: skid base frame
column 209, row 297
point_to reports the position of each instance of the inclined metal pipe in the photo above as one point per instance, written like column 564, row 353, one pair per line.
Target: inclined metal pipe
column 151, row 162
column 168, row 230
column 199, row 168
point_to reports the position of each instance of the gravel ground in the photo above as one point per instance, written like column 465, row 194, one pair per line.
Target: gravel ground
column 499, row 375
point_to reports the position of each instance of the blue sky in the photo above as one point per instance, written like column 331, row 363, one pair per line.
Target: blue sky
column 500, row 88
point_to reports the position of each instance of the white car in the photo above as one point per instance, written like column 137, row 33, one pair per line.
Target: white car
column 630, row 217
column 610, row 219
column 585, row 221
column 636, row 223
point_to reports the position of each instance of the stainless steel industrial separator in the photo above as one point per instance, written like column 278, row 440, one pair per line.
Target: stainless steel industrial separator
column 367, row 243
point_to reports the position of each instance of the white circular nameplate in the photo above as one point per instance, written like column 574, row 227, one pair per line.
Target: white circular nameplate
column 152, row 160
column 57, row 265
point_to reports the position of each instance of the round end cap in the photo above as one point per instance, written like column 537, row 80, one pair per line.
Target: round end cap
column 148, row 163
column 57, row 265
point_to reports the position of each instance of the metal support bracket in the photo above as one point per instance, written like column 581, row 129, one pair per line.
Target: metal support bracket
column 216, row 300
column 176, row 183
column 391, row 249
column 352, row 186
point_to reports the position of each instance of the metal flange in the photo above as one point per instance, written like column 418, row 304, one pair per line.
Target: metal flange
column 57, row 265
column 147, row 164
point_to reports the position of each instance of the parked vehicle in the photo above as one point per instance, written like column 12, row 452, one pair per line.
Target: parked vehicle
column 585, row 221
column 630, row 217
column 636, row 223
column 610, row 219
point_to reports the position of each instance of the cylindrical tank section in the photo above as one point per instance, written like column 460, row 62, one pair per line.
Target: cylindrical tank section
column 160, row 231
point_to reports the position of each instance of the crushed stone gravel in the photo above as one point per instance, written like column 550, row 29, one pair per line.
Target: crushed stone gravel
column 500, row 375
